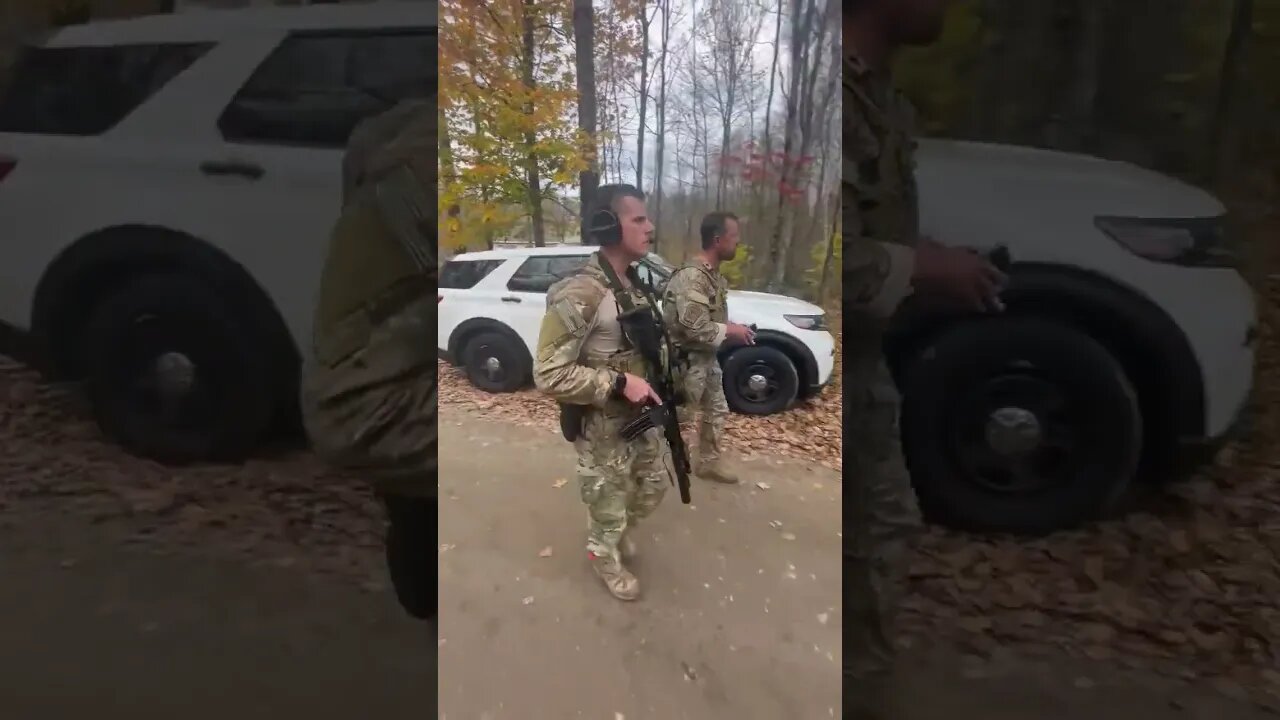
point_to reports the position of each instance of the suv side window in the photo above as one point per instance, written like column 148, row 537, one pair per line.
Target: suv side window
column 86, row 91
column 538, row 274
column 466, row 274
column 313, row 89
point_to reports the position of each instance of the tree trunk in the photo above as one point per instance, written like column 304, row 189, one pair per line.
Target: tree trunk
column 447, row 165
column 530, row 141
column 831, row 247
column 583, row 32
column 1228, row 75
column 768, row 128
column 645, row 19
column 781, row 238
column 662, row 124
column 485, row 190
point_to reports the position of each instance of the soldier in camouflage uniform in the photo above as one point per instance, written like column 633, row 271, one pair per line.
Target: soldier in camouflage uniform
column 585, row 359
column 369, row 392
column 696, row 312
column 885, row 261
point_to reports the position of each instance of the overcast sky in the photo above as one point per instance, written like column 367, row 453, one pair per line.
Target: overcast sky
column 681, row 28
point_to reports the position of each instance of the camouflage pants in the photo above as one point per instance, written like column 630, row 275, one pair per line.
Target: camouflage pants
column 704, row 391
column 882, row 519
column 621, row 483
column 373, row 413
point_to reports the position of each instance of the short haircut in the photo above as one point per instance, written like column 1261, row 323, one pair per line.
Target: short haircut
column 715, row 225
column 606, row 198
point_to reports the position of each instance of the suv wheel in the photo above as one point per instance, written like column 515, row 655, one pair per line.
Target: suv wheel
column 173, row 376
column 495, row 363
column 760, row 380
column 1019, row 425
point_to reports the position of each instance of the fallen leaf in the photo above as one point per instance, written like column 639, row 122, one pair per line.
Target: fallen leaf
column 559, row 483
column 527, row 600
column 545, row 552
column 762, row 485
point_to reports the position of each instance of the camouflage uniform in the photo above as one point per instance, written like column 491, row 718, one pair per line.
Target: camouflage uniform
column 581, row 351
column 880, row 231
column 696, row 312
column 369, row 392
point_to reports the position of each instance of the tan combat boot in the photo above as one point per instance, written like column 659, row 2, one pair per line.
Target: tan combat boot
column 617, row 579
column 715, row 472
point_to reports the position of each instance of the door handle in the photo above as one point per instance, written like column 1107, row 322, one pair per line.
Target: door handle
column 248, row 170
column 511, row 299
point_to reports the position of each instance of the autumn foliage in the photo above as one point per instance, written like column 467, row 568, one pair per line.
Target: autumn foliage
column 495, row 120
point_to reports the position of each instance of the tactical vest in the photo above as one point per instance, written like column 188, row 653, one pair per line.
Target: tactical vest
column 627, row 359
column 719, row 301
column 368, row 276
column 883, row 120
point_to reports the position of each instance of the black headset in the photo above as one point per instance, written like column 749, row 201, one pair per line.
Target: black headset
column 605, row 227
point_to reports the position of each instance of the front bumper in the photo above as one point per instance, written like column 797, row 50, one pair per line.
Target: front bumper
column 1220, row 323
column 823, row 346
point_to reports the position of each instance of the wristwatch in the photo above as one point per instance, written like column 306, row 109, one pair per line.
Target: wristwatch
column 619, row 383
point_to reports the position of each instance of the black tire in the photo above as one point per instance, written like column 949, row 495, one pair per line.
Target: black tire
column 1084, row 406
column 229, row 405
column 747, row 368
column 496, row 362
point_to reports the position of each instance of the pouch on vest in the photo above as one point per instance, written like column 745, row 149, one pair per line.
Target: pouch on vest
column 571, row 417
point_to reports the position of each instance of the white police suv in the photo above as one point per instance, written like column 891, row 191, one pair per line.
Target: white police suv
column 1129, row 337
column 492, row 303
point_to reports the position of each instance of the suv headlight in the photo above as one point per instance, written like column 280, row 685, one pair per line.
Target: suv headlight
column 1181, row 241
column 808, row 322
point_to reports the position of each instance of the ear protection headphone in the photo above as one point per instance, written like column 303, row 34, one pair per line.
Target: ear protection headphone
column 605, row 227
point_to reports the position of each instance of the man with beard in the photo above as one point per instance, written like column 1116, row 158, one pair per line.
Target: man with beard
column 696, row 312
column 885, row 260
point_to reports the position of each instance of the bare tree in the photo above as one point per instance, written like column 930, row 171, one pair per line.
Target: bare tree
column 768, row 103
column 729, row 27
column 646, row 20
column 660, row 154
column 803, row 31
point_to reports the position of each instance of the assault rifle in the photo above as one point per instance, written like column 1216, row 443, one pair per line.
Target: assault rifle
column 649, row 334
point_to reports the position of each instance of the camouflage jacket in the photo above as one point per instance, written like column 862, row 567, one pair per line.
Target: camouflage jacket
column 695, row 308
column 878, row 191
column 581, row 345
column 382, row 251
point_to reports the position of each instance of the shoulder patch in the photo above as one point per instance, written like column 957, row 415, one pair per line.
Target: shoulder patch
column 571, row 317
column 582, row 291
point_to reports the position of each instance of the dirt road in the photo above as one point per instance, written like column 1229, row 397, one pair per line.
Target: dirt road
column 740, row 617
column 93, row 627
column 132, row 590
